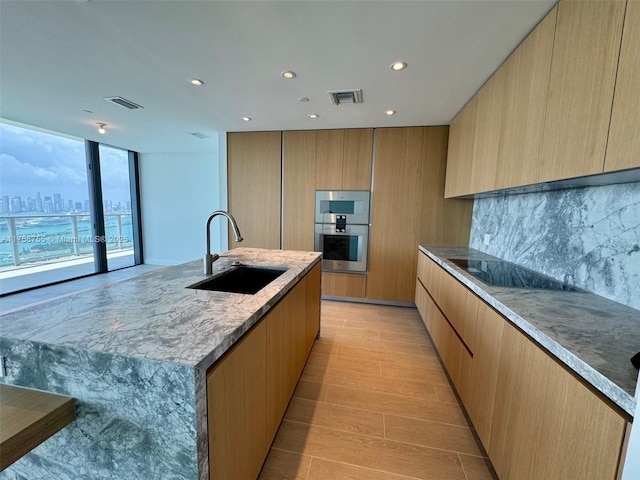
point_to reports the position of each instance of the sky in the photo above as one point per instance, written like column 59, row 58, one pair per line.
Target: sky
column 32, row 162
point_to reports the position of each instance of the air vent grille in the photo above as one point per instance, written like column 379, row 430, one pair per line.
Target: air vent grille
column 199, row 135
column 342, row 97
column 123, row 102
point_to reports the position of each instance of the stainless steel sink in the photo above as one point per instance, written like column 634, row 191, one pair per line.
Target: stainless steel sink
column 242, row 279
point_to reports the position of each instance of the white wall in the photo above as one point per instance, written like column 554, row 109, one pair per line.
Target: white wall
column 177, row 193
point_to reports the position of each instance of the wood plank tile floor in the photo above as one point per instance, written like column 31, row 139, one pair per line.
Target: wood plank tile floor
column 373, row 403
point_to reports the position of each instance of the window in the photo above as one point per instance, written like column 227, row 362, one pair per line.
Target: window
column 48, row 212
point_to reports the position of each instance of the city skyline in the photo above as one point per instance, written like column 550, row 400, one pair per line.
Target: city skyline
column 54, row 203
column 33, row 162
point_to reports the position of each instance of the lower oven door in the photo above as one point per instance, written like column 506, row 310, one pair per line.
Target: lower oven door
column 343, row 251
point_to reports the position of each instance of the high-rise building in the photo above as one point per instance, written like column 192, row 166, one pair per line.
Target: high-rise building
column 57, row 202
column 78, row 206
column 31, row 204
column 5, row 204
column 47, row 205
column 16, row 204
column 39, row 208
column 69, row 205
column 86, row 207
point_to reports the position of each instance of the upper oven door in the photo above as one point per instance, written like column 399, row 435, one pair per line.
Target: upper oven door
column 343, row 251
column 352, row 203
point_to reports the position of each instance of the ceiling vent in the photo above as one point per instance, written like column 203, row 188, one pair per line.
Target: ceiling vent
column 123, row 102
column 199, row 135
column 342, row 97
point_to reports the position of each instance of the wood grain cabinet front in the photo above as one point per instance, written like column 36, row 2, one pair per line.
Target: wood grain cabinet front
column 248, row 390
column 623, row 146
column 343, row 159
column 534, row 417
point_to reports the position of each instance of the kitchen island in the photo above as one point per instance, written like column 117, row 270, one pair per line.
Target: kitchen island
column 135, row 356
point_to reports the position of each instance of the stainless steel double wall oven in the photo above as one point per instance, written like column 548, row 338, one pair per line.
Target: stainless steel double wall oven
column 342, row 229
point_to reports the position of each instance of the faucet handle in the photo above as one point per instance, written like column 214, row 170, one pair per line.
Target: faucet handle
column 208, row 262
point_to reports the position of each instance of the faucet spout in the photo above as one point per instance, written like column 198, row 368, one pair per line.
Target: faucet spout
column 209, row 258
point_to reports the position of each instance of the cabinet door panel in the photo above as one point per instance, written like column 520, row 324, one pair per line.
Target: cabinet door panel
column 538, row 403
column 312, row 327
column 237, row 410
column 278, row 366
column 526, row 86
column 254, row 185
column 296, row 310
column 460, row 157
column 329, row 159
column 623, row 147
column 392, row 237
column 487, row 133
column 583, row 70
column 358, row 152
column 299, row 184
column 344, row 285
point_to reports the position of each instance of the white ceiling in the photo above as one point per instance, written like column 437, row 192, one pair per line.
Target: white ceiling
column 59, row 58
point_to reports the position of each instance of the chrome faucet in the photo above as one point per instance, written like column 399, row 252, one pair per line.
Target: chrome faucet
column 208, row 258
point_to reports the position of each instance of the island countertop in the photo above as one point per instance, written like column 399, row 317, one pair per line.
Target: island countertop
column 155, row 317
column 135, row 354
column 593, row 336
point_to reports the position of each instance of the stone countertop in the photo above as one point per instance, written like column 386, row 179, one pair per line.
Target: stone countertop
column 593, row 336
column 155, row 317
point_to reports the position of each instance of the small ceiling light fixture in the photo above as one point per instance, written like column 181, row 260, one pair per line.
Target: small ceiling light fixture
column 246, row 119
column 288, row 74
column 397, row 66
column 390, row 112
column 101, row 129
column 303, row 99
column 196, row 81
column 313, row 115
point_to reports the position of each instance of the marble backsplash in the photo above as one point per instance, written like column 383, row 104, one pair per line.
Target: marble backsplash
column 588, row 237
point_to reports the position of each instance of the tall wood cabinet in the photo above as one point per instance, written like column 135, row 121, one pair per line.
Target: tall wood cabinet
column 460, row 150
column 253, row 165
column 408, row 208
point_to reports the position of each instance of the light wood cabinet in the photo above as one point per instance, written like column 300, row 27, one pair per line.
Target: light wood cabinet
column 623, row 146
column 253, row 163
column 408, row 208
column 534, row 417
column 583, row 74
column 546, row 423
column 237, row 415
column 344, row 285
column 299, row 185
column 484, row 370
column 524, row 104
column 343, row 159
column 460, row 157
column 248, row 390
column 489, row 118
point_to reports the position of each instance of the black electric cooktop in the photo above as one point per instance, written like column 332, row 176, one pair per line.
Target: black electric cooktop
column 504, row 274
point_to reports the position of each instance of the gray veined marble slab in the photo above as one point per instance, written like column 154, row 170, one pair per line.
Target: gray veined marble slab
column 134, row 355
column 595, row 337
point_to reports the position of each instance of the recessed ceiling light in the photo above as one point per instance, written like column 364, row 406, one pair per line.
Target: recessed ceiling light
column 288, row 74
column 390, row 112
column 397, row 66
column 246, row 119
column 197, row 82
column 313, row 115
column 101, row 129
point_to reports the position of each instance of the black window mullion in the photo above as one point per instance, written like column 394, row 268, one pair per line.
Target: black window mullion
column 136, row 218
column 95, row 201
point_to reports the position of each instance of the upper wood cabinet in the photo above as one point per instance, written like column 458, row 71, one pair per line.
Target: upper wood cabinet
column 253, row 164
column 460, row 156
column 343, row 159
column 486, row 140
column 299, row 185
column 523, row 105
column 623, row 147
column 583, row 74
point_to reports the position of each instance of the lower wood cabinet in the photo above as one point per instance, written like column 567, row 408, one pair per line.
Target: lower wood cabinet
column 248, row 390
column 534, row 417
column 344, row 285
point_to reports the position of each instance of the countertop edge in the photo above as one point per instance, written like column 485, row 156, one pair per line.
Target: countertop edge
column 594, row 378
